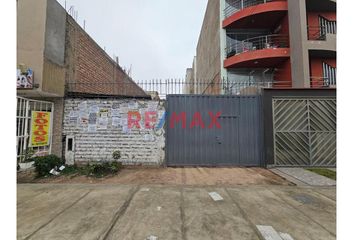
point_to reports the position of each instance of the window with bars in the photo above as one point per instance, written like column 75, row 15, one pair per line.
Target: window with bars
column 329, row 74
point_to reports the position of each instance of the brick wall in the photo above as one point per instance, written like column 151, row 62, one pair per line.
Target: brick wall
column 91, row 70
column 138, row 146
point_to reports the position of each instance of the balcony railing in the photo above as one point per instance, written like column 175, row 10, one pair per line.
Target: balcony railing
column 237, row 5
column 319, row 33
column 316, row 33
column 257, row 43
column 322, row 82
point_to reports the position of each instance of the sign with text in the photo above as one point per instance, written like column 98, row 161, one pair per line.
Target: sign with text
column 40, row 128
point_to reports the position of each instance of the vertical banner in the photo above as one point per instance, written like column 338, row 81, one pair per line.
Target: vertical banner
column 40, row 128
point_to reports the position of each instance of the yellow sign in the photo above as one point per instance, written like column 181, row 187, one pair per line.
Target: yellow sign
column 40, row 128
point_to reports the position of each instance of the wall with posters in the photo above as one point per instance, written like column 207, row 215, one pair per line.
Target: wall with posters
column 101, row 126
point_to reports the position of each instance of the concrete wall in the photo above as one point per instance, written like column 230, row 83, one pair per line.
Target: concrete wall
column 54, row 49
column 31, row 20
column 208, row 49
column 138, row 146
column 298, row 39
column 188, row 86
column 41, row 45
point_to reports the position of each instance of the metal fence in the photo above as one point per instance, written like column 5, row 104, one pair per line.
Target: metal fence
column 23, row 126
column 162, row 88
column 304, row 131
column 257, row 43
column 159, row 89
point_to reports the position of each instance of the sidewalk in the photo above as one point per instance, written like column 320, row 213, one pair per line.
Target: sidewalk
column 302, row 177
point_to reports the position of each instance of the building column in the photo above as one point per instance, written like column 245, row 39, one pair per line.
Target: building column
column 223, row 71
column 300, row 69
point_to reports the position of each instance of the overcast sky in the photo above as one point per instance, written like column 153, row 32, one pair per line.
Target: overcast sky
column 157, row 37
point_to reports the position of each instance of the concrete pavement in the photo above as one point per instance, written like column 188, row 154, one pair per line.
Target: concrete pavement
column 84, row 211
column 303, row 177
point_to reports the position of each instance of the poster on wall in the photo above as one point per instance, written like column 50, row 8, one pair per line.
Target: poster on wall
column 92, row 118
column 102, row 123
column 104, row 113
column 40, row 128
column 116, row 122
column 24, row 78
column 73, row 117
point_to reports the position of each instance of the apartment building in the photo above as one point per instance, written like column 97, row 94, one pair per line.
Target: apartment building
column 270, row 43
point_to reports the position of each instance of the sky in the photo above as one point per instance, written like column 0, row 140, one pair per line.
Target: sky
column 157, row 38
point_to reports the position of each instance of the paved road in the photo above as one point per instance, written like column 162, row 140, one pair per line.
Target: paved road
column 79, row 211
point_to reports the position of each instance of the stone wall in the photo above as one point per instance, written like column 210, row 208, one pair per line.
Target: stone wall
column 96, row 142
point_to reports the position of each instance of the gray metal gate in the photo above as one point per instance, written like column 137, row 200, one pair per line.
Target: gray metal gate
column 304, row 131
column 238, row 141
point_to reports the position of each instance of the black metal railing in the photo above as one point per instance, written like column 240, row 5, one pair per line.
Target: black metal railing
column 237, row 5
column 257, row 43
column 159, row 88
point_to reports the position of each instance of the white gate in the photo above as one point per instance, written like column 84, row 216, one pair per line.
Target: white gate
column 23, row 126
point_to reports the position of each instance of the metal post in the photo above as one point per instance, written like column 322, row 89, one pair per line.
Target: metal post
column 26, row 135
column 51, row 129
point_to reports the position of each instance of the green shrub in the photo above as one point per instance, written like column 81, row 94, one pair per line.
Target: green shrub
column 70, row 169
column 103, row 169
column 44, row 164
column 116, row 155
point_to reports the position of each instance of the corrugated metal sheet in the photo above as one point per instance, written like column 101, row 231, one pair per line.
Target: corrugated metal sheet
column 237, row 143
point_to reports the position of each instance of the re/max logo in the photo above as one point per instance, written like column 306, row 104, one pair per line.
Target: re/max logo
column 150, row 120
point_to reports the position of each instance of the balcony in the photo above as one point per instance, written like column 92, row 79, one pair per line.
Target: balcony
column 320, row 33
column 254, row 13
column 235, row 6
column 261, row 51
column 323, row 82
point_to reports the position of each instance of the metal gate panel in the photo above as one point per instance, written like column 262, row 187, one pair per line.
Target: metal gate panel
column 304, row 131
column 236, row 143
column 23, row 122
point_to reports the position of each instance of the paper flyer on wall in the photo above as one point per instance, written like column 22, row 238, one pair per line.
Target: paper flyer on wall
column 83, row 106
column 116, row 121
column 93, row 118
column 104, row 113
column 92, row 128
column 93, row 109
column 102, row 123
column 115, row 112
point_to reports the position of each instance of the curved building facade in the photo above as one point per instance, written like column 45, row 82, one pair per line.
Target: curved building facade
column 271, row 43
